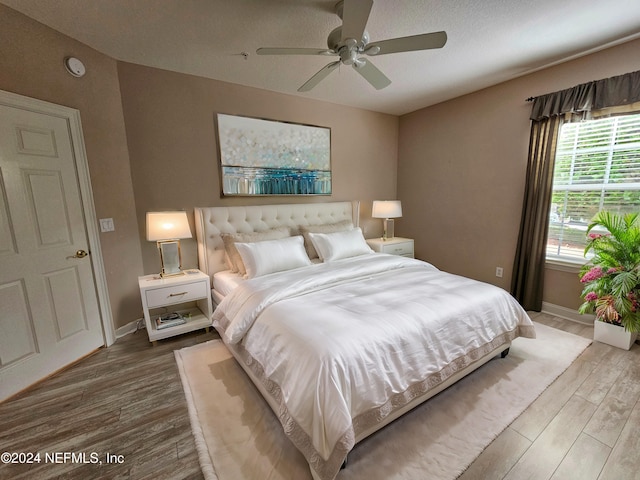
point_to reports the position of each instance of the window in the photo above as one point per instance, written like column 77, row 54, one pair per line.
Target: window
column 597, row 167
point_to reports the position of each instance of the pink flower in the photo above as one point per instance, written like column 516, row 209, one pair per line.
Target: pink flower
column 613, row 270
column 593, row 274
column 591, row 296
column 595, row 236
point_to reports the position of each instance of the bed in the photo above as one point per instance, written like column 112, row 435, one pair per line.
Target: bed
column 343, row 344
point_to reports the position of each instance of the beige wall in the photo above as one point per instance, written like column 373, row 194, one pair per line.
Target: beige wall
column 461, row 168
column 459, row 165
column 170, row 158
column 171, row 134
column 31, row 64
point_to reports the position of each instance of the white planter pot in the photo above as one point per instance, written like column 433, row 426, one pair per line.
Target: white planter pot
column 613, row 335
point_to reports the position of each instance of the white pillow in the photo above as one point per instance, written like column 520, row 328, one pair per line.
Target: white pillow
column 334, row 246
column 305, row 230
column 234, row 260
column 270, row 256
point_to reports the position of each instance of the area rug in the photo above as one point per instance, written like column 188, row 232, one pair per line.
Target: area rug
column 238, row 436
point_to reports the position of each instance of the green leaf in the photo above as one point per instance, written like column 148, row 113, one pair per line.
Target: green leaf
column 623, row 283
column 586, row 307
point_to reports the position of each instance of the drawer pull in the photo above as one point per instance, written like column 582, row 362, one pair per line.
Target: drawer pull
column 177, row 294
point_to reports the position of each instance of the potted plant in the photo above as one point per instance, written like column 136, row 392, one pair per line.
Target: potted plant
column 611, row 277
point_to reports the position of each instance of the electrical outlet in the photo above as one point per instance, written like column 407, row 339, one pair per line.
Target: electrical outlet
column 499, row 272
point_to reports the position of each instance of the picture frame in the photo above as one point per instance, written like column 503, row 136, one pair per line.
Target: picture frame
column 270, row 157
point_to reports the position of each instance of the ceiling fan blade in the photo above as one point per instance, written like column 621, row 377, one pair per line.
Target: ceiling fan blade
column 318, row 77
column 294, row 51
column 426, row 41
column 355, row 14
column 371, row 74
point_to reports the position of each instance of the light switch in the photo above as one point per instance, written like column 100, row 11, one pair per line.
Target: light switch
column 106, row 225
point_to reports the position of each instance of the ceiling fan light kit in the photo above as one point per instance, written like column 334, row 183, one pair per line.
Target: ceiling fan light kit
column 350, row 41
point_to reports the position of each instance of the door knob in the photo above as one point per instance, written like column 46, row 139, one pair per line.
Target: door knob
column 79, row 254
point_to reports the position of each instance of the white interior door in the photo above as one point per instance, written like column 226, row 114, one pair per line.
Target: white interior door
column 49, row 311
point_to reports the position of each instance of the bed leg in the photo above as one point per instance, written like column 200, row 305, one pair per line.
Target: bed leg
column 504, row 353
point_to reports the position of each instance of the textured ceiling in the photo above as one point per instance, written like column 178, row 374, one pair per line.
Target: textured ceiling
column 489, row 41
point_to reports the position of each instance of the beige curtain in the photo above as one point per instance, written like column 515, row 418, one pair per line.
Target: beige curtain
column 528, row 268
column 547, row 116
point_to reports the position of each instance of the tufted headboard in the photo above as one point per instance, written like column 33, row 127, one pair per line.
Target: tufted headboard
column 213, row 221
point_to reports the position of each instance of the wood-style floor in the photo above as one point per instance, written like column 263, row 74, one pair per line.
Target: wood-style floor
column 127, row 400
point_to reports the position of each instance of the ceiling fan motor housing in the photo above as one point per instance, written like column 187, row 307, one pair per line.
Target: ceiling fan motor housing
column 334, row 40
column 349, row 49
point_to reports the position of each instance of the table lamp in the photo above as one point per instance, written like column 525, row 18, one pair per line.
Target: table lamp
column 387, row 209
column 167, row 228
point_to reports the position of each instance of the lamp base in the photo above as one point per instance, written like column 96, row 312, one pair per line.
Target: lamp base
column 170, row 258
column 388, row 225
column 164, row 274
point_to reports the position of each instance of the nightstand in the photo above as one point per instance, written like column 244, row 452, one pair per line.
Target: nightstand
column 394, row 246
column 176, row 294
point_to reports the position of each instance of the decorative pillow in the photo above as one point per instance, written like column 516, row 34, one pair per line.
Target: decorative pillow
column 326, row 228
column 229, row 240
column 334, row 246
column 270, row 256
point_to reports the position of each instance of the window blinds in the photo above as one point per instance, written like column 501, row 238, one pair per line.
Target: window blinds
column 597, row 167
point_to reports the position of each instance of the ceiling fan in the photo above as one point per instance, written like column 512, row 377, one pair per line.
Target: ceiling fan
column 350, row 41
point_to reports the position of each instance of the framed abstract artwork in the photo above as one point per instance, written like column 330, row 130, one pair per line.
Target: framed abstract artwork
column 266, row 157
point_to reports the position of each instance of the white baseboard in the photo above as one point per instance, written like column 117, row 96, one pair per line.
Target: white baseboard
column 127, row 329
column 567, row 313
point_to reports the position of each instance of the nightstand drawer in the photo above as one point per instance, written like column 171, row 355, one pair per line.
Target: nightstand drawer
column 169, row 295
column 393, row 246
column 405, row 248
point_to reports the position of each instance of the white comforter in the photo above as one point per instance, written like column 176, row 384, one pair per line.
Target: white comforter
column 341, row 345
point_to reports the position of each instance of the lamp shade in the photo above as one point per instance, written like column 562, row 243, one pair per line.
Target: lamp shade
column 167, row 225
column 386, row 209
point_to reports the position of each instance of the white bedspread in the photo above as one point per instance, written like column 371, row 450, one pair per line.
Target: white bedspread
column 341, row 345
column 226, row 281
